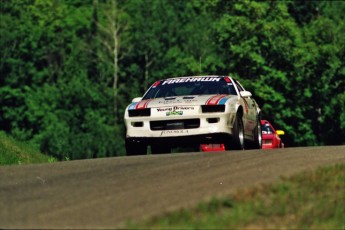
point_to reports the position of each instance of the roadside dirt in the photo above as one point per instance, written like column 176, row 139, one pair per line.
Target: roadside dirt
column 105, row 193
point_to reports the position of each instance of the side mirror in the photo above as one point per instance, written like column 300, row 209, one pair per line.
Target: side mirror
column 245, row 94
column 280, row 132
column 137, row 99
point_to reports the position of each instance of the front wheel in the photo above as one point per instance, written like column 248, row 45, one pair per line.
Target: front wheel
column 257, row 136
column 237, row 142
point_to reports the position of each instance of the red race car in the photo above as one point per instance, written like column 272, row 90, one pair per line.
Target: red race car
column 270, row 136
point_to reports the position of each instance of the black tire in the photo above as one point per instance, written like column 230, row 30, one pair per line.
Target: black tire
column 258, row 135
column 135, row 148
column 158, row 149
column 237, row 140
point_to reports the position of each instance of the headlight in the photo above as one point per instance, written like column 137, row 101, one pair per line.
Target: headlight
column 212, row 108
column 139, row 112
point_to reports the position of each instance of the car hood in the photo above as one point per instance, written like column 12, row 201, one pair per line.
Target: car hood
column 183, row 100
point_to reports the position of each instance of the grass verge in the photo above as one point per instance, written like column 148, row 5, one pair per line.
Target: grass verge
column 15, row 152
column 310, row 200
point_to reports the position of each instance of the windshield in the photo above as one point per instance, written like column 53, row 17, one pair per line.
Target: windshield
column 190, row 86
column 266, row 129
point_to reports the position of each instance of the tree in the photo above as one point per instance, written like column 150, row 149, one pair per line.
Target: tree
column 112, row 36
column 70, row 68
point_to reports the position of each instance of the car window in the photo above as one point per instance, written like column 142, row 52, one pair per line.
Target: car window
column 169, row 88
column 266, row 129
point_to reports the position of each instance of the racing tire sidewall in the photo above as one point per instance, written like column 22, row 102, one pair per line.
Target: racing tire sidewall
column 237, row 142
column 258, row 135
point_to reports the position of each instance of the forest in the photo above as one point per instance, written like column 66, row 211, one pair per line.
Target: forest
column 69, row 68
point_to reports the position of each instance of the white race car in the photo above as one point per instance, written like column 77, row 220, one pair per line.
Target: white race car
column 191, row 111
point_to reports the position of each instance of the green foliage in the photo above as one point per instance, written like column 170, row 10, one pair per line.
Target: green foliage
column 306, row 201
column 15, row 152
column 73, row 120
column 293, row 70
column 57, row 84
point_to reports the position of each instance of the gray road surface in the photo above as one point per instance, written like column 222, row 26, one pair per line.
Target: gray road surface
column 104, row 193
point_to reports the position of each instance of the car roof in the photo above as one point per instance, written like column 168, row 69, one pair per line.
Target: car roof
column 265, row 122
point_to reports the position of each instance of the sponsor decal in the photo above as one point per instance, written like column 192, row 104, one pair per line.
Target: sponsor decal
column 190, row 101
column 190, row 79
column 168, row 132
column 169, row 102
column 227, row 79
column 173, row 113
column 183, row 108
column 163, row 109
column 175, row 108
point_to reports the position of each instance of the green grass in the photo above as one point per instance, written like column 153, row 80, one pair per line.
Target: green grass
column 310, row 200
column 15, row 152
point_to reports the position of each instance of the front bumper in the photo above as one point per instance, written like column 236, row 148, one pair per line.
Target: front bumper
column 214, row 138
column 139, row 127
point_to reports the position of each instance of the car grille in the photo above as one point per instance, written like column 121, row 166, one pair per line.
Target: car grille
column 175, row 124
column 267, row 142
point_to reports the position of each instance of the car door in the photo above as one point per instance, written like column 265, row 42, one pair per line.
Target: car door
column 249, row 112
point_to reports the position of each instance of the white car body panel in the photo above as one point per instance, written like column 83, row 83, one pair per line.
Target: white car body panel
column 177, row 108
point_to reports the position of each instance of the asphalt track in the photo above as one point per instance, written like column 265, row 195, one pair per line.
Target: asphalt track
column 105, row 193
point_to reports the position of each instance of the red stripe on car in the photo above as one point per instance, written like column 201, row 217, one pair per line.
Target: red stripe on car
column 143, row 104
column 214, row 100
column 208, row 101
